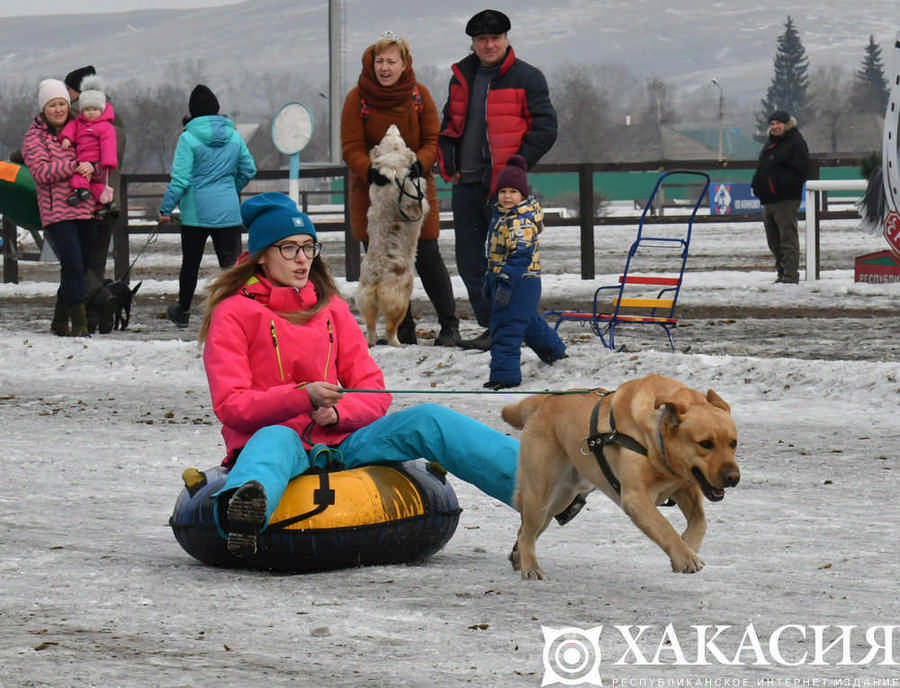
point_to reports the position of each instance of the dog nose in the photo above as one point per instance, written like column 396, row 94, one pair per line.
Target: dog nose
column 731, row 476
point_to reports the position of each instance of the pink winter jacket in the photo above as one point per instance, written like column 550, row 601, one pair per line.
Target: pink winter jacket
column 256, row 361
column 52, row 166
column 94, row 140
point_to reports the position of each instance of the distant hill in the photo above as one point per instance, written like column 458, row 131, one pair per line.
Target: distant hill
column 686, row 43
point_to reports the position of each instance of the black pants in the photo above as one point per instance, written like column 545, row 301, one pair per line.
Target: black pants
column 72, row 241
column 436, row 281
column 226, row 242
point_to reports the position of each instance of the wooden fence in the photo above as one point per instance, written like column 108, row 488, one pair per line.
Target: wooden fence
column 140, row 195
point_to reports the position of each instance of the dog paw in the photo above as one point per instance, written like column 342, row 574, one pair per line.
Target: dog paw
column 688, row 563
column 534, row 573
column 514, row 557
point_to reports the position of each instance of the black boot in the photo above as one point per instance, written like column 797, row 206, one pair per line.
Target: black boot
column 245, row 517
column 60, row 323
column 406, row 332
column 482, row 342
column 78, row 320
column 571, row 511
column 178, row 315
column 448, row 336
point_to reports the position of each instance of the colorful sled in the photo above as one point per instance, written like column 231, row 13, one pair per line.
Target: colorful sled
column 18, row 200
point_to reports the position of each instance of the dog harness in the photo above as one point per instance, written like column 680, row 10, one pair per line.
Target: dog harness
column 597, row 442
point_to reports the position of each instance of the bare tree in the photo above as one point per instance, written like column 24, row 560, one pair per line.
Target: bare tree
column 830, row 95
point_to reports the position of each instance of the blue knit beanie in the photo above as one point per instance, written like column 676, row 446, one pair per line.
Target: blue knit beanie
column 272, row 216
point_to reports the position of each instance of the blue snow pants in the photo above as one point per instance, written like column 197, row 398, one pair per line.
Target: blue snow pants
column 516, row 322
column 470, row 450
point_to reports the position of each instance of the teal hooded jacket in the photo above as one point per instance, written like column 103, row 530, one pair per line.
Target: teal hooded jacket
column 211, row 165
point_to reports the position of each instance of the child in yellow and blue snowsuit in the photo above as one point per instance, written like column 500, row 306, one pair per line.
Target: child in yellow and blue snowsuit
column 513, row 280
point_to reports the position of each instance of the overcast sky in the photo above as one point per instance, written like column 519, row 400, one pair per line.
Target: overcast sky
column 17, row 8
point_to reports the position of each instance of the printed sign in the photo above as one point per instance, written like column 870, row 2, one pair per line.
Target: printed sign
column 729, row 198
column 892, row 231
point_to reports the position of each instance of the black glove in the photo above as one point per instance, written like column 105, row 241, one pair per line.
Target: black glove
column 375, row 177
column 415, row 170
column 502, row 291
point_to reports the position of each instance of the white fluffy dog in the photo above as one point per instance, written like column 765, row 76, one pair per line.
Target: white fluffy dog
column 396, row 211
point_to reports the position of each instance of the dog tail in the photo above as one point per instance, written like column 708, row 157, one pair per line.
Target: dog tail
column 517, row 414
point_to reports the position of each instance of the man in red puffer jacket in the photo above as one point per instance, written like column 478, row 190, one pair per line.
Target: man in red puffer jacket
column 497, row 106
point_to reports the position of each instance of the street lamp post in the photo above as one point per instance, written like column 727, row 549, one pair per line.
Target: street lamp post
column 715, row 82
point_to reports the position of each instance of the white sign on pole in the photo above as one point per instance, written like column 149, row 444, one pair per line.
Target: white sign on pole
column 292, row 129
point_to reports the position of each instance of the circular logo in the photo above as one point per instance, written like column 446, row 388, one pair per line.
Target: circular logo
column 572, row 656
column 892, row 231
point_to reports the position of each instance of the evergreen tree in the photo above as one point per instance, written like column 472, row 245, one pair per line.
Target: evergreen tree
column 870, row 90
column 788, row 90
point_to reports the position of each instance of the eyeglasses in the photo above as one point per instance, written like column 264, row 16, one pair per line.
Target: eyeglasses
column 290, row 250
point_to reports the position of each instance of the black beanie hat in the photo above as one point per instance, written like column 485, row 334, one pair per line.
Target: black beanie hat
column 514, row 175
column 488, row 22
column 73, row 78
column 780, row 116
column 203, row 102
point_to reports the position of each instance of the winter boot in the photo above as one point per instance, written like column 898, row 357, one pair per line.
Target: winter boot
column 449, row 335
column 245, row 517
column 406, row 332
column 178, row 315
column 60, row 323
column 78, row 318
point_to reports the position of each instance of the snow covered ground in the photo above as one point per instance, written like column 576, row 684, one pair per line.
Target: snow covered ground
column 95, row 591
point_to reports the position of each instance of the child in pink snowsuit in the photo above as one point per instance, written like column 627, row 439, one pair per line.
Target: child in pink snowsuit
column 94, row 138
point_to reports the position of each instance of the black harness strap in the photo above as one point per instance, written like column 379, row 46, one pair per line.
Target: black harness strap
column 322, row 498
column 597, row 442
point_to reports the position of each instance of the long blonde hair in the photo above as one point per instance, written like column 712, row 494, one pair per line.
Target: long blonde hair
column 231, row 280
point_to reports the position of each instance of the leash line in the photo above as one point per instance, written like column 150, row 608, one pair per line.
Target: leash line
column 465, row 391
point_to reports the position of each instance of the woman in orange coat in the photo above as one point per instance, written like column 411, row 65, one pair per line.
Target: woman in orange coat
column 386, row 94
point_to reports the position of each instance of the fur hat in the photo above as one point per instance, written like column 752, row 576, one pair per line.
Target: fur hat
column 488, row 21
column 270, row 217
column 780, row 116
column 73, row 78
column 92, row 94
column 50, row 89
column 514, row 175
column 203, row 102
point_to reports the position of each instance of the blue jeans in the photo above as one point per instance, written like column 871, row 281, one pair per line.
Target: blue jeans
column 72, row 241
column 470, row 450
column 471, row 221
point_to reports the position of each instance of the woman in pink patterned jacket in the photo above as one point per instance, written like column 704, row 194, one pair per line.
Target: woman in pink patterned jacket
column 70, row 228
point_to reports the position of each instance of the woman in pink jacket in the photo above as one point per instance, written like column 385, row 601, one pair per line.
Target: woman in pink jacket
column 71, row 228
column 280, row 346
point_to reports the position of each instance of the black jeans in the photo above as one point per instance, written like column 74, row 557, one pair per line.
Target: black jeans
column 72, row 241
column 472, row 220
column 226, row 242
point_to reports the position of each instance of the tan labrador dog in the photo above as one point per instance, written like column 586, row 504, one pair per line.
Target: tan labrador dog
column 689, row 440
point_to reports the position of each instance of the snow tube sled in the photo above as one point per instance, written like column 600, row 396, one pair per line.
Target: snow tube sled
column 18, row 199
column 378, row 514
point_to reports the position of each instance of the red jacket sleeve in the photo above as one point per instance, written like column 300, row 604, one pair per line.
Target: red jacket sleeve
column 236, row 403
column 356, row 369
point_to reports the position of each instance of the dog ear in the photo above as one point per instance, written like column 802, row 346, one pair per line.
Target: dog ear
column 677, row 406
column 717, row 401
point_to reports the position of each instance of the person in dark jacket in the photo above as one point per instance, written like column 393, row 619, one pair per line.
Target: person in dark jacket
column 497, row 106
column 778, row 183
column 211, row 165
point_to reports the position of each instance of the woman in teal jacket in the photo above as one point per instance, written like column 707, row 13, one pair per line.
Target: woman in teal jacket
column 280, row 348
column 211, row 165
